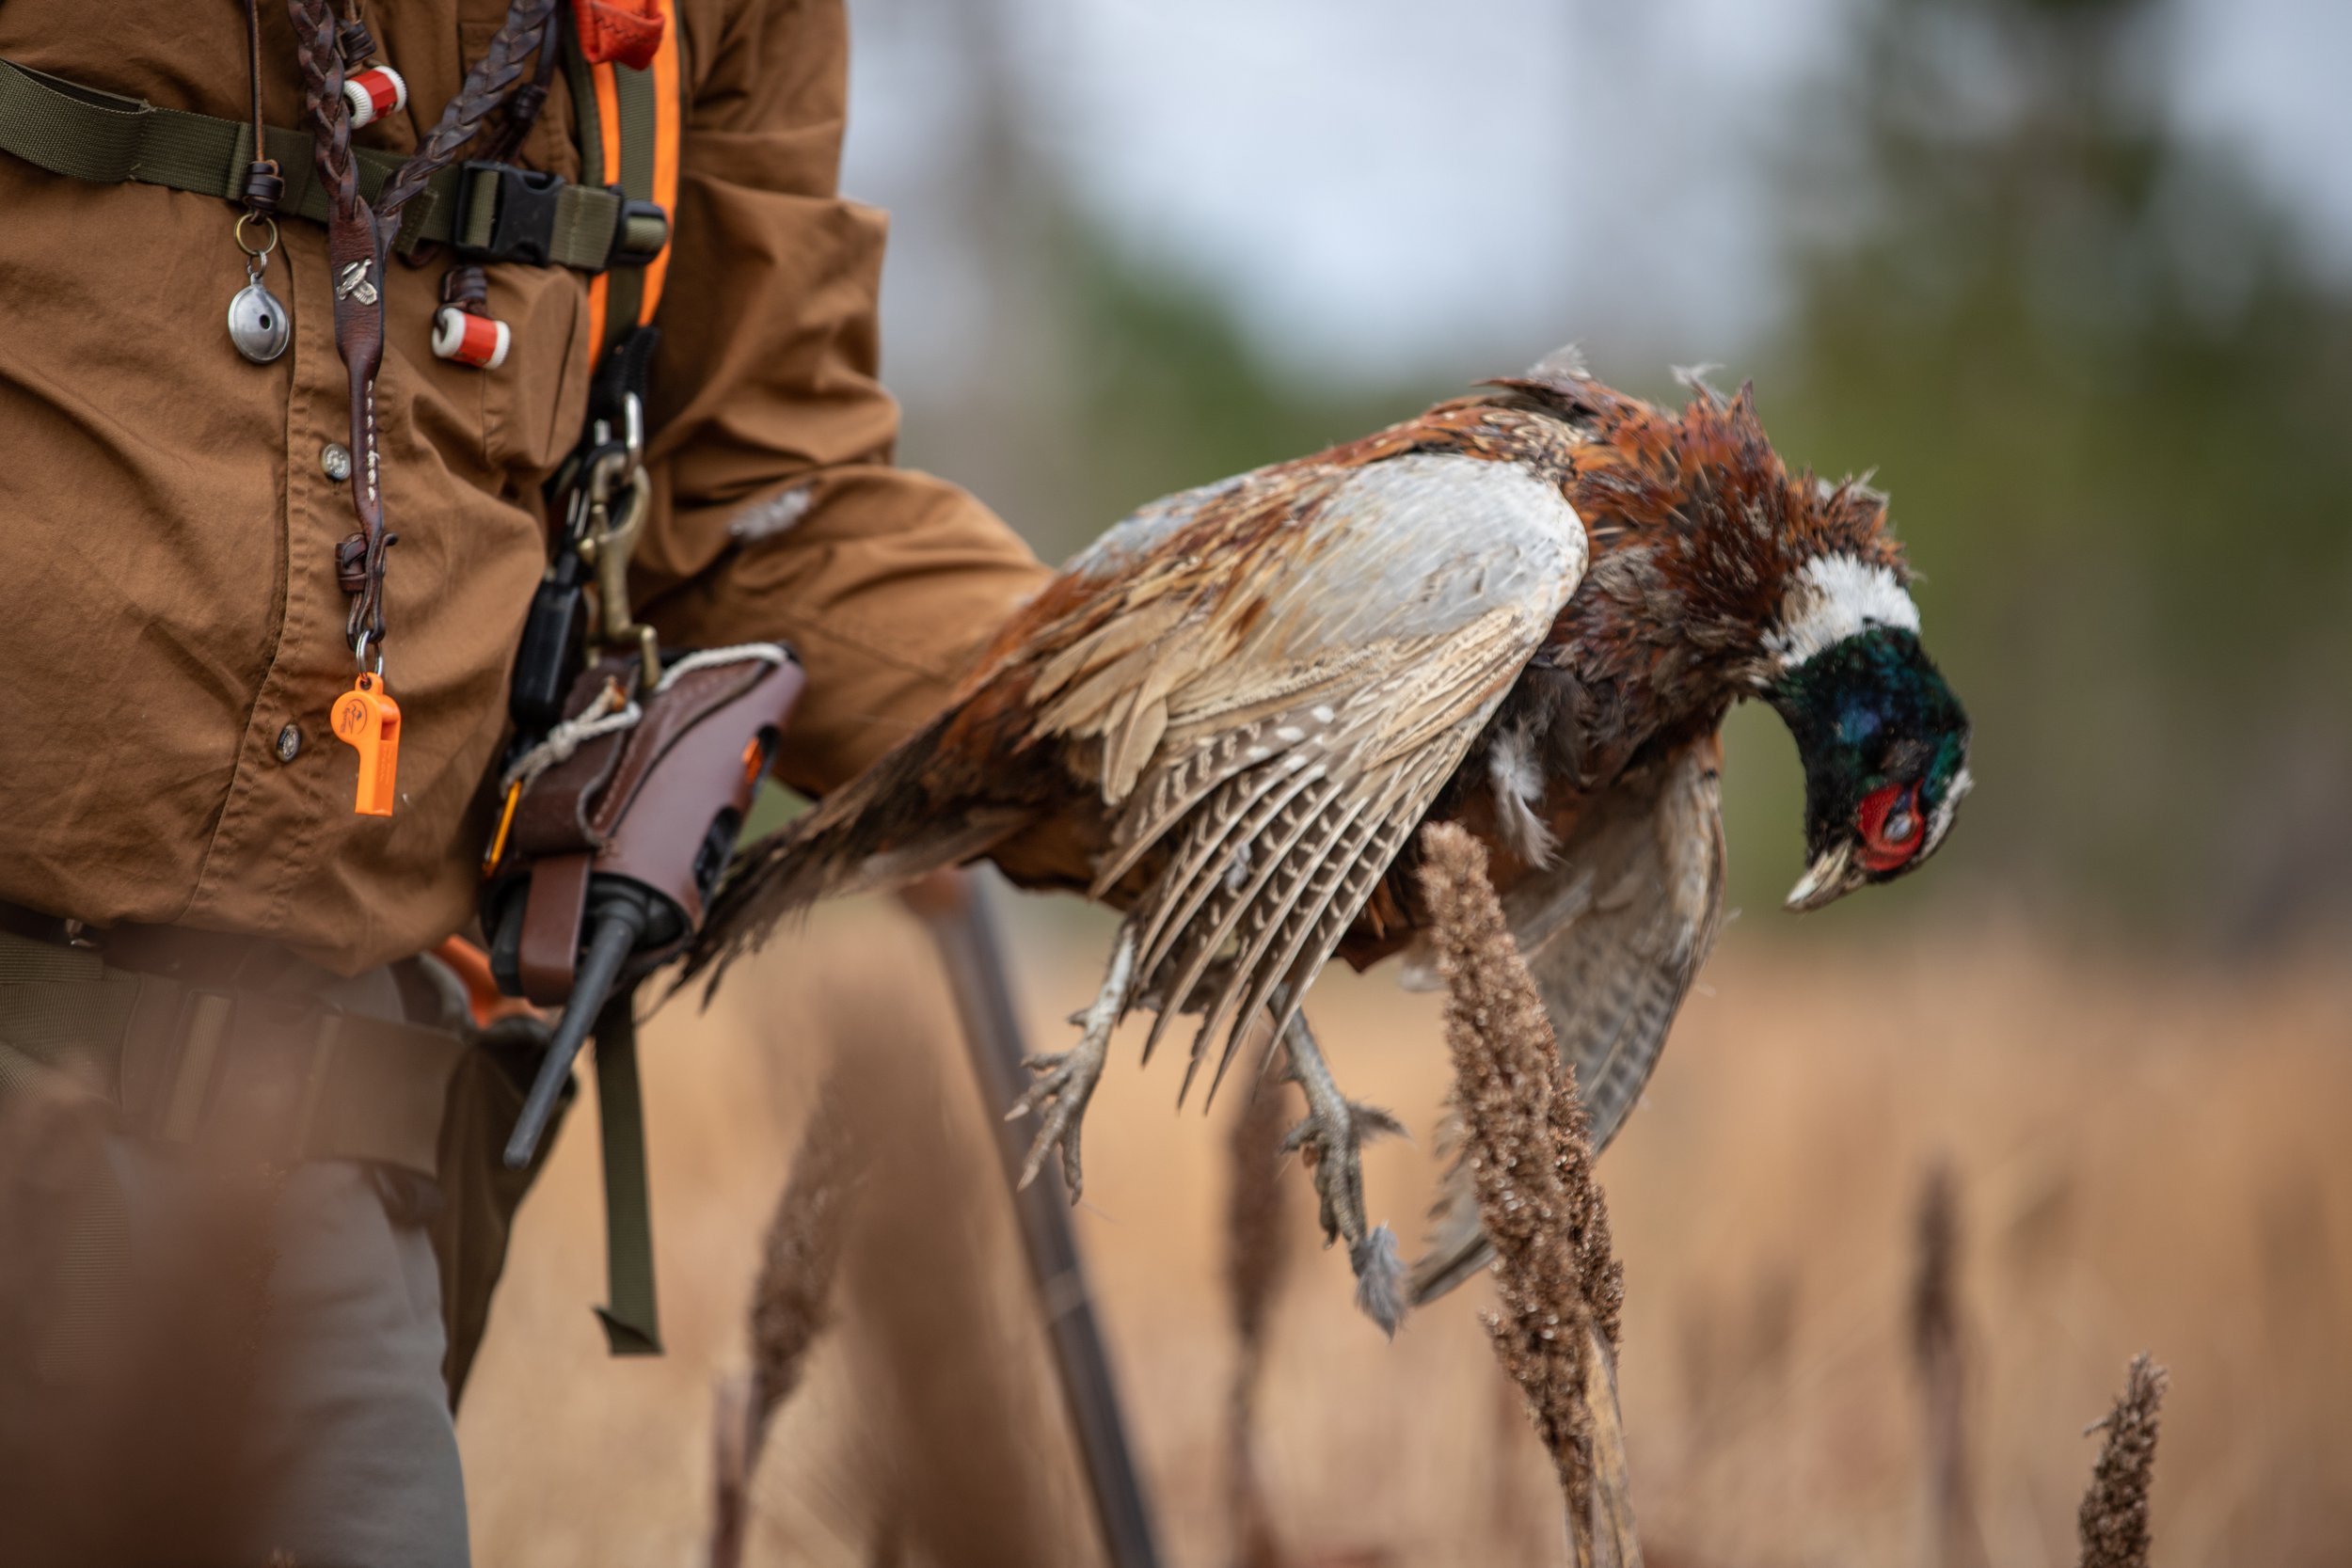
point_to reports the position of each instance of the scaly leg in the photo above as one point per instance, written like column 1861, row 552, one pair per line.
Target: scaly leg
column 1066, row 1079
column 1153, row 997
column 1332, row 1134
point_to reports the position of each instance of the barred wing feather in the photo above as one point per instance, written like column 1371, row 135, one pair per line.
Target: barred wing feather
column 1278, row 721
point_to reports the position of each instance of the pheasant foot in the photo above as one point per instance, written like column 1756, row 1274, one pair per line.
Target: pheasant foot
column 1066, row 1079
column 1332, row 1135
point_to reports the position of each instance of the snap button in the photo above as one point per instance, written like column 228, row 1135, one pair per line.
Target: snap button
column 336, row 459
column 288, row 742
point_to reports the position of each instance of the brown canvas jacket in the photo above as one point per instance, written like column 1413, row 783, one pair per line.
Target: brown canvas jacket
column 170, row 627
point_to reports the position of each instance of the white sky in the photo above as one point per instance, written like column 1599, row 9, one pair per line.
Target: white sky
column 1392, row 186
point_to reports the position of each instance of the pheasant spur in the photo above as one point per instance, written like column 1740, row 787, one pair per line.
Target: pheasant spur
column 1526, row 610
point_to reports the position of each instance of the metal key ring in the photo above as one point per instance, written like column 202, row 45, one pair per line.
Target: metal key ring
column 267, row 246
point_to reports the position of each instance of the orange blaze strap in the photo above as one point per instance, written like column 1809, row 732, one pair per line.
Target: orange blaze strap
column 629, row 129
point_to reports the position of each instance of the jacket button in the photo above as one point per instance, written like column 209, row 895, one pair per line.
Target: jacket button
column 288, row 742
column 336, row 459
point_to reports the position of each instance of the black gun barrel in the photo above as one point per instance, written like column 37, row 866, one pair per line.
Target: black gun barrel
column 619, row 924
column 955, row 909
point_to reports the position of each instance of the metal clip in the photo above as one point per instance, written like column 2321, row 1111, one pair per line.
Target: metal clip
column 608, row 534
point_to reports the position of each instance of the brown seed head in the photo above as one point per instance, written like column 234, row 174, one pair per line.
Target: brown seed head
column 1257, row 1254
column 1529, row 1158
column 800, row 1256
column 2114, row 1517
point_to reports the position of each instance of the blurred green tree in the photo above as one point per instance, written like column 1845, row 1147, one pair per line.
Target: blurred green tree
column 2108, row 397
column 2081, row 348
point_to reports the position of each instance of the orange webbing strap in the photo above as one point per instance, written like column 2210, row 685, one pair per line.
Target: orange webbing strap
column 484, row 999
column 668, row 112
column 628, row 130
column 604, row 84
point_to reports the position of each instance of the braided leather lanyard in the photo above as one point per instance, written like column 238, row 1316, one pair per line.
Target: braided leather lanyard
column 357, row 239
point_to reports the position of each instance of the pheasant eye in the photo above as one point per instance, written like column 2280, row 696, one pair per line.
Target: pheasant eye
column 1889, row 823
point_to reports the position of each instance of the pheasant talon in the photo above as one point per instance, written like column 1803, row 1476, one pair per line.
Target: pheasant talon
column 1066, row 1079
column 1061, row 1092
column 1332, row 1136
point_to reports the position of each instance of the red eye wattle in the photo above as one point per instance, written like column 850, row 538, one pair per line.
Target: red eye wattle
column 1892, row 829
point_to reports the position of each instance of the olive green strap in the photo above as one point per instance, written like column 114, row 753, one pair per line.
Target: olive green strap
column 624, row 288
column 99, row 137
column 580, row 235
column 632, row 1322
column 634, row 101
column 62, row 1007
column 587, row 113
column 172, row 1056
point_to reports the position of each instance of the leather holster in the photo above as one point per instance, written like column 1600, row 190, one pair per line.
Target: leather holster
column 658, row 804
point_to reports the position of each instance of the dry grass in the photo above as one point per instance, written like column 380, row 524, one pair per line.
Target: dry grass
column 791, row 1305
column 2114, row 1517
column 2150, row 1156
column 1260, row 1235
column 1940, row 1359
column 792, row 1298
column 1527, row 1149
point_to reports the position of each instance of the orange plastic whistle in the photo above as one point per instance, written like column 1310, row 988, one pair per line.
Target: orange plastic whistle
column 367, row 719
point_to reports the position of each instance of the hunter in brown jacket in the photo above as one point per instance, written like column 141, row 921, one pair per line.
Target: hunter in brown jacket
column 172, row 631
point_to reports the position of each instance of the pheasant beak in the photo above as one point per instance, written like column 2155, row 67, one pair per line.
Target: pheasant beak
column 1829, row 877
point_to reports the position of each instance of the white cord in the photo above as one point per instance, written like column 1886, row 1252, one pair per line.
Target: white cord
column 603, row 716
column 741, row 653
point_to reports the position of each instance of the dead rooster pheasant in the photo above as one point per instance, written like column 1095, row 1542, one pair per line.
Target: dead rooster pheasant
column 1526, row 611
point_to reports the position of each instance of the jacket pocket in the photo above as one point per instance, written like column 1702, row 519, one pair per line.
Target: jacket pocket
column 532, row 405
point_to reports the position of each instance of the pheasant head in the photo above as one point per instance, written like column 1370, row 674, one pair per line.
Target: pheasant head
column 1717, row 572
column 1883, row 741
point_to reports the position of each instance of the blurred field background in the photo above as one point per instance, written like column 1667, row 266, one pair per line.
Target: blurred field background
column 2074, row 277
column 2144, row 1161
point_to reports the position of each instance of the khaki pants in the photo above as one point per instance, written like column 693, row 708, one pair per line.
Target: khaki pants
column 349, row 1426
column 344, row 1419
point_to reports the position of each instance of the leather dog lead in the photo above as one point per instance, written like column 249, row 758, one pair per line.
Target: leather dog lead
column 357, row 238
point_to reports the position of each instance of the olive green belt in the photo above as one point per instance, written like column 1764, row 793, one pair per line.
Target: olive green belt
column 260, row 1074
column 493, row 209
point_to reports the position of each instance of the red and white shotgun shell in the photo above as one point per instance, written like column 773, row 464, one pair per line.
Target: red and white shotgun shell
column 373, row 93
column 470, row 340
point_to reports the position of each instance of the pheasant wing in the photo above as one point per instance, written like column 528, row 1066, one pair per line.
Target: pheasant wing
column 1298, row 660
column 1262, row 682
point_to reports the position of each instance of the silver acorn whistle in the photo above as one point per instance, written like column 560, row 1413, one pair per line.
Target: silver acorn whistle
column 258, row 323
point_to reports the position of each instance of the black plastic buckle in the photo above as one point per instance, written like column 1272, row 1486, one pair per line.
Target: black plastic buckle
column 522, row 219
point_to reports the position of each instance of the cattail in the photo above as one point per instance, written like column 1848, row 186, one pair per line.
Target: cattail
column 790, row 1308
column 888, row 1244
column 1939, row 1356
column 1257, row 1255
column 2114, row 1517
column 1530, row 1153
column 790, row 1303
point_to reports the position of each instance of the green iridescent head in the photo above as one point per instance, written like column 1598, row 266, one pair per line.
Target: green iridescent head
column 1883, row 741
